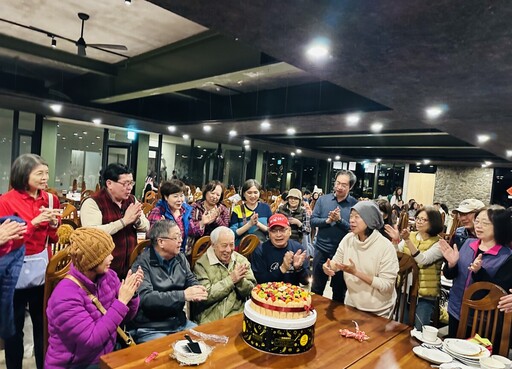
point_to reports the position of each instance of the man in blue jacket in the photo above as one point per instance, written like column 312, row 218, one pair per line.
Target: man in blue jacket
column 331, row 216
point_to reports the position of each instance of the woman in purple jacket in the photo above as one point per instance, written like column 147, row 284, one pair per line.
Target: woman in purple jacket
column 78, row 332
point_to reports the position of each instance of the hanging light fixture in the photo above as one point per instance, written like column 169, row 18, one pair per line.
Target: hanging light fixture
column 54, row 42
column 128, row 2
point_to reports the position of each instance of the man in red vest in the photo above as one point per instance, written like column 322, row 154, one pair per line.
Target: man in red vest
column 116, row 211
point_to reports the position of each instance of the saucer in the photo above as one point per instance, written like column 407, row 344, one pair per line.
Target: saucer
column 432, row 355
column 419, row 336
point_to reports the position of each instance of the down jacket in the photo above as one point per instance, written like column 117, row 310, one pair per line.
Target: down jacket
column 78, row 333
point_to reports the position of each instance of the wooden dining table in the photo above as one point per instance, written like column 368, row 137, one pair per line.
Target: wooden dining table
column 389, row 346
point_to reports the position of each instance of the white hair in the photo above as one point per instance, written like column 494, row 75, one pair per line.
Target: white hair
column 215, row 235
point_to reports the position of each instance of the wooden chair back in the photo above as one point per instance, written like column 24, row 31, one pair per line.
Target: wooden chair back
column 403, row 221
column 138, row 250
column 74, row 186
column 407, row 286
column 150, row 197
column 455, row 224
column 248, row 244
column 70, row 212
column 198, row 196
column 146, row 208
column 486, row 319
column 98, row 187
column 199, row 248
column 84, row 187
column 57, row 268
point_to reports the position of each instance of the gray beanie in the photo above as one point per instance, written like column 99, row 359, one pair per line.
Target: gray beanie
column 370, row 212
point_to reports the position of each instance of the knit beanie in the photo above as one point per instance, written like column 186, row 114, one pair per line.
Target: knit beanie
column 369, row 211
column 89, row 247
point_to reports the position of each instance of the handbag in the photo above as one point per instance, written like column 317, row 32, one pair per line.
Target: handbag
column 126, row 337
column 33, row 270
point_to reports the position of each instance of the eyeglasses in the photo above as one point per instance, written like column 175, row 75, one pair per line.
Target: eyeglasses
column 178, row 238
column 127, row 184
column 342, row 185
column 421, row 220
column 477, row 222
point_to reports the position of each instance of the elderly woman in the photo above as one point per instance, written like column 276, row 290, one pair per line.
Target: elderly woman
column 211, row 208
column 478, row 259
column 29, row 201
column 172, row 207
column 252, row 216
column 368, row 261
column 168, row 283
column 423, row 245
column 78, row 332
column 226, row 275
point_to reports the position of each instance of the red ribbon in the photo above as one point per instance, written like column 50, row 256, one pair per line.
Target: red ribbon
column 306, row 308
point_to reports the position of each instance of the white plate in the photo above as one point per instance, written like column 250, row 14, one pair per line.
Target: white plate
column 419, row 336
column 463, row 347
column 432, row 355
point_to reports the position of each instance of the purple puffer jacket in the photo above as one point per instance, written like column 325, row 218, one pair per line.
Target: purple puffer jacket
column 78, row 333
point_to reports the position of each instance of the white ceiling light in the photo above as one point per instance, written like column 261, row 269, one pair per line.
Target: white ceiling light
column 298, row 151
column 185, row 136
column 292, row 154
column 171, row 128
column 247, row 142
column 96, row 121
column 483, row 138
column 318, row 49
column 207, row 128
column 426, row 161
column 378, row 160
column 353, row 119
column 488, row 163
column 329, row 160
column 232, row 133
column 290, row 131
column 509, row 153
column 376, row 127
column 57, row 108
column 418, row 163
column 337, row 157
column 265, row 124
column 434, row 112
column 247, row 147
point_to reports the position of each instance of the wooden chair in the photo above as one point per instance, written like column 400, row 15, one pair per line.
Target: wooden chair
column 146, row 208
column 248, row 244
column 407, row 286
column 150, row 197
column 484, row 316
column 74, row 186
column 199, row 249
column 455, row 224
column 403, row 221
column 98, row 187
column 70, row 212
column 138, row 250
column 57, row 268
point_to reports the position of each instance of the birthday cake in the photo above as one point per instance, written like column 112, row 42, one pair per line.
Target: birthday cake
column 279, row 319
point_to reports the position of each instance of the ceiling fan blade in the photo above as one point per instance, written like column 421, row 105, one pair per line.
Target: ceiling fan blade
column 109, row 46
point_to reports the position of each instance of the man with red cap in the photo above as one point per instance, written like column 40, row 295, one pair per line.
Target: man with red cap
column 280, row 259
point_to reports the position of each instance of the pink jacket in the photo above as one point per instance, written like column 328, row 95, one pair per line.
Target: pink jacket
column 78, row 333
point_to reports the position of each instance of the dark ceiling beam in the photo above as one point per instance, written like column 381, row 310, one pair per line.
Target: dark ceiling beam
column 81, row 63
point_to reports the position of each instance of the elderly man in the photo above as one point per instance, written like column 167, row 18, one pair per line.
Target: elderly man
column 467, row 211
column 116, row 211
column 279, row 258
column 226, row 275
column 168, row 283
column 331, row 216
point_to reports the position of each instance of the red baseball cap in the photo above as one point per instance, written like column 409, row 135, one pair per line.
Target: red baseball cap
column 278, row 220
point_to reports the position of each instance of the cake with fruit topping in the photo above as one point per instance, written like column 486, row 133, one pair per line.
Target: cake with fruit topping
column 281, row 300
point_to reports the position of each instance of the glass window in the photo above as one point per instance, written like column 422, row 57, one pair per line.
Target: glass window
column 6, row 117
column 27, row 122
column 275, row 169
column 78, row 155
column 233, row 165
column 204, row 156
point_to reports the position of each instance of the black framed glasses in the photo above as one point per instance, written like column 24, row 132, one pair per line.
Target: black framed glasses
column 127, row 184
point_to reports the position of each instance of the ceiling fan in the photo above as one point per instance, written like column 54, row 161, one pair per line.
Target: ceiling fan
column 82, row 45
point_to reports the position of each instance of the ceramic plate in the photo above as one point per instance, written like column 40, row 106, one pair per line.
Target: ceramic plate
column 432, row 355
column 463, row 347
column 419, row 336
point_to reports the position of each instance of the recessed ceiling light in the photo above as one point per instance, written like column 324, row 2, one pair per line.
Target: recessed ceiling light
column 185, row 136
column 198, row 146
column 75, row 134
column 353, row 119
column 207, row 128
column 292, row 154
column 98, row 137
column 96, row 121
column 318, row 49
column 247, row 147
column 232, row 133
column 509, row 153
column 376, row 127
column 329, row 159
column 80, row 137
column 488, row 163
column 265, row 124
column 290, row 131
column 434, row 112
column 378, row 160
column 298, row 151
column 426, row 161
column 337, row 157
column 171, row 128
column 418, row 163
column 57, row 108
column 63, row 138
column 483, row 138
column 246, row 142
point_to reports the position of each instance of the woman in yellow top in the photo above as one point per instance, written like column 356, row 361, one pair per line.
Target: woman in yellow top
column 423, row 245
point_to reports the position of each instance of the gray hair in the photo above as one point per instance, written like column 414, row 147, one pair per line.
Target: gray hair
column 351, row 176
column 215, row 235
column 160, row 229
column 21, row 169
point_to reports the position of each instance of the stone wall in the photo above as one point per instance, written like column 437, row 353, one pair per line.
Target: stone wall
column 456, row 184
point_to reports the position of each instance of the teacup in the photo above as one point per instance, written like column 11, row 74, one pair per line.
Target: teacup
column 503, row 360
column 491, row 363
column 429, row 333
